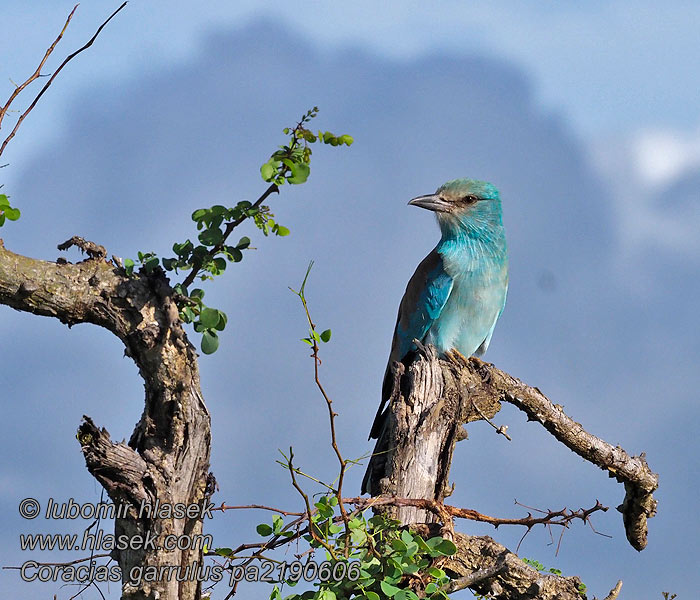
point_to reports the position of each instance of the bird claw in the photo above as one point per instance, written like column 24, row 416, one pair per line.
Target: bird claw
column 458, row 358
column 482, row 368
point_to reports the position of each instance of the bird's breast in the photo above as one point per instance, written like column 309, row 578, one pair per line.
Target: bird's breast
column 477, row 298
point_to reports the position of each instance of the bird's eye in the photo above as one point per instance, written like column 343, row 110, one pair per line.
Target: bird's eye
column 470, row 199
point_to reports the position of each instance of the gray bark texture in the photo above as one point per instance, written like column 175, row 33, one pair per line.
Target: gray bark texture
column 167, row 457
column 431, row 401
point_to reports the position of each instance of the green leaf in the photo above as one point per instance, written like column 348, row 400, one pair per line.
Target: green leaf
column 388, row 589
column 224, row 551
column 243, row 243
column 219, row 264
column 432, row 543
column 209, row 317
column 12, row 214
column 4, row 201
column 199, row 214
column 446, row 547
column 223, row 319
column 150, row 263
column 281, row 230
column 211, row 236
column 264, row 529
column 371, row 596
column 210, row 342
column 183, row 249
column 169, row 263
column 277, row 523
column 300, row 172
column 268, row 171
column 326, row 335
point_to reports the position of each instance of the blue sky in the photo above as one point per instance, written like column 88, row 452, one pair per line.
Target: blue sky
column 585, row 116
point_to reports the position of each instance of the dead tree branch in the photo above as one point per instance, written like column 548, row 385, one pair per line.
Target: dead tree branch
column 431, row 401
column 632, row 471
column 494, row 571
column 37, row 74
column 552, row 517
column 167, row 458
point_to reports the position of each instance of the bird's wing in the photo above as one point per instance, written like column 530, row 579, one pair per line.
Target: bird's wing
column 425, row 297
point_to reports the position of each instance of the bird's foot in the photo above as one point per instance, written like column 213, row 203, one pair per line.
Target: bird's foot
column 457, row 357
column 482, row 368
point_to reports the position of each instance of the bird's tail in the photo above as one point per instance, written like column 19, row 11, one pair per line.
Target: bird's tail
column 380, row 417
column 379, row 431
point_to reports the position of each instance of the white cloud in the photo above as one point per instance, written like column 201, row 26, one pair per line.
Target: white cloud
column 639, row 169
column 660, row 156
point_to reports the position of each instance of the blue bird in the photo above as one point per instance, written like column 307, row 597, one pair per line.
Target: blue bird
column 459, row 290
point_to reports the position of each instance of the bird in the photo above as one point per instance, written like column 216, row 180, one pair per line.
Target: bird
column 458, row 291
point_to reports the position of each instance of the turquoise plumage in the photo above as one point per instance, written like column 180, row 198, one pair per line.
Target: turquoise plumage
column 459, row 290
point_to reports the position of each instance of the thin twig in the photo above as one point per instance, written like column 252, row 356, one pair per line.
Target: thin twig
column 286, row 513
column 503, row 429
column 37, row 73
column 309, row 513
column 561, row 517
column 63, row 564
column 55, row 74
column 331, row 413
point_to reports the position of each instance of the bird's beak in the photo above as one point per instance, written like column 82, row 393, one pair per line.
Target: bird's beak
column 432, row 202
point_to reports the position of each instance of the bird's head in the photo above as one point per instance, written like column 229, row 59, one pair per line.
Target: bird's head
column 463, row 205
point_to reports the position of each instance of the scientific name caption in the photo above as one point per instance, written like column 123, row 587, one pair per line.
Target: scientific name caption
column 100, row 541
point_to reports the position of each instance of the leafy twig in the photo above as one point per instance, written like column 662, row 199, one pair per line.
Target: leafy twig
column 307, row 504
column 273, row 188
column 314, row 339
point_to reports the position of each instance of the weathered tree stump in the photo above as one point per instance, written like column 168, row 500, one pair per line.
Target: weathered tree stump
column 430, row 401
column 166, row 461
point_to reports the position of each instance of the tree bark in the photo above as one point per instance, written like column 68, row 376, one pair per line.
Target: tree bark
column 429, row 404
column 431, row 400
column 492, row 570
column 166, row 461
